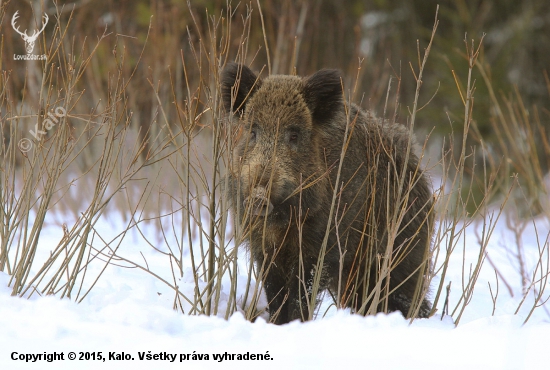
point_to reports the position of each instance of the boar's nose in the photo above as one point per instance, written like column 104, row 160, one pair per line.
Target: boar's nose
column 258, row 201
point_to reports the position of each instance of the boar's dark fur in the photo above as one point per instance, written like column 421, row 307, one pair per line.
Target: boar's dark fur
column 289, row 137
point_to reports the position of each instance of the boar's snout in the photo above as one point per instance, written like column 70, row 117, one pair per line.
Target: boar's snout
column 259, row 202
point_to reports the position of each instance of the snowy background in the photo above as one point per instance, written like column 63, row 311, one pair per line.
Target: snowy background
column 131, row 311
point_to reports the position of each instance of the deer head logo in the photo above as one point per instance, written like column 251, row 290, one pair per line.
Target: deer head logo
column 29, row 40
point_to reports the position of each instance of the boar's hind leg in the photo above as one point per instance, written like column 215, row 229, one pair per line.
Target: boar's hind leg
column 400, row 302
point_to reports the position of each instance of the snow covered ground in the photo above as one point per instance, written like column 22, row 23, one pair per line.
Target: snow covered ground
column 128, row 318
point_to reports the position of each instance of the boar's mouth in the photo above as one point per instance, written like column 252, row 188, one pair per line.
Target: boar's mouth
column 259, row 202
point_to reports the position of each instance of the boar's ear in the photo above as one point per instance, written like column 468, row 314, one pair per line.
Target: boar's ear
column 323, row 94
column 238, row 83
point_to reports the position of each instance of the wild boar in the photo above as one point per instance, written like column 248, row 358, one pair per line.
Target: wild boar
column 302, row 152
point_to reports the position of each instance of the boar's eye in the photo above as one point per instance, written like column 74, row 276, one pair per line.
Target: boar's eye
column 292, row 137
column 252, row 131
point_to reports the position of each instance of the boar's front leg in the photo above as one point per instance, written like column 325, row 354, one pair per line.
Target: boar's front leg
column 287, row 295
